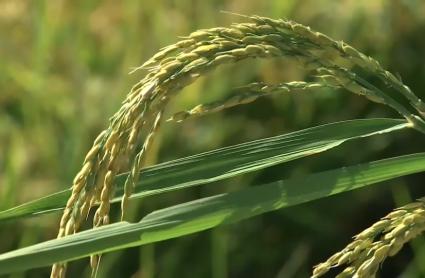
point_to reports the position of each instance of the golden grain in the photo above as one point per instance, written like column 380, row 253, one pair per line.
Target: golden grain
column 180, row 64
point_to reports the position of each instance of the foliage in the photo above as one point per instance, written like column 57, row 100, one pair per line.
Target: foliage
column 336, row 64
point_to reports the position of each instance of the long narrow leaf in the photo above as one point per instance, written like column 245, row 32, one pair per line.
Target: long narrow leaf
column 227, row 162
column 209, row 212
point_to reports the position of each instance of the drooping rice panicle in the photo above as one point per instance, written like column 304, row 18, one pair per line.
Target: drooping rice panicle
column 178, row 65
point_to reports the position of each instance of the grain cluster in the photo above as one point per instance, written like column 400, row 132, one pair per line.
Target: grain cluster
column 123, row 145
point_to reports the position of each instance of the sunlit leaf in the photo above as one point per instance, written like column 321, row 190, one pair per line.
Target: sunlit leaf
column 206, row 213
column 226, row 162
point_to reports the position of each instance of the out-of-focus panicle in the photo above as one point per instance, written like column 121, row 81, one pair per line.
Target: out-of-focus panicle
column 385, row 238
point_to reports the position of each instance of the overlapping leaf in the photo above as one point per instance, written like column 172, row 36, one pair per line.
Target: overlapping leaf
column 210, row 212
column 227, row 162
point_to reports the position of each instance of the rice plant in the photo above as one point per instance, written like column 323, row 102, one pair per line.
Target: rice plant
column 114, row 168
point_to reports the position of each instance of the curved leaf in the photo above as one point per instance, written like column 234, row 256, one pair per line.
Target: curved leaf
column 226, row 162
column 210, row 212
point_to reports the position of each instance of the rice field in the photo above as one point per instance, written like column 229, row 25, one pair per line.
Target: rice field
column 219, row 155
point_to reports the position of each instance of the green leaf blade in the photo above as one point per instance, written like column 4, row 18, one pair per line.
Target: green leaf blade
column 210, row 212
column 226, row 162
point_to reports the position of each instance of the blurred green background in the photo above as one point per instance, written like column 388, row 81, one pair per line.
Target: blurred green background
column 64, row 71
